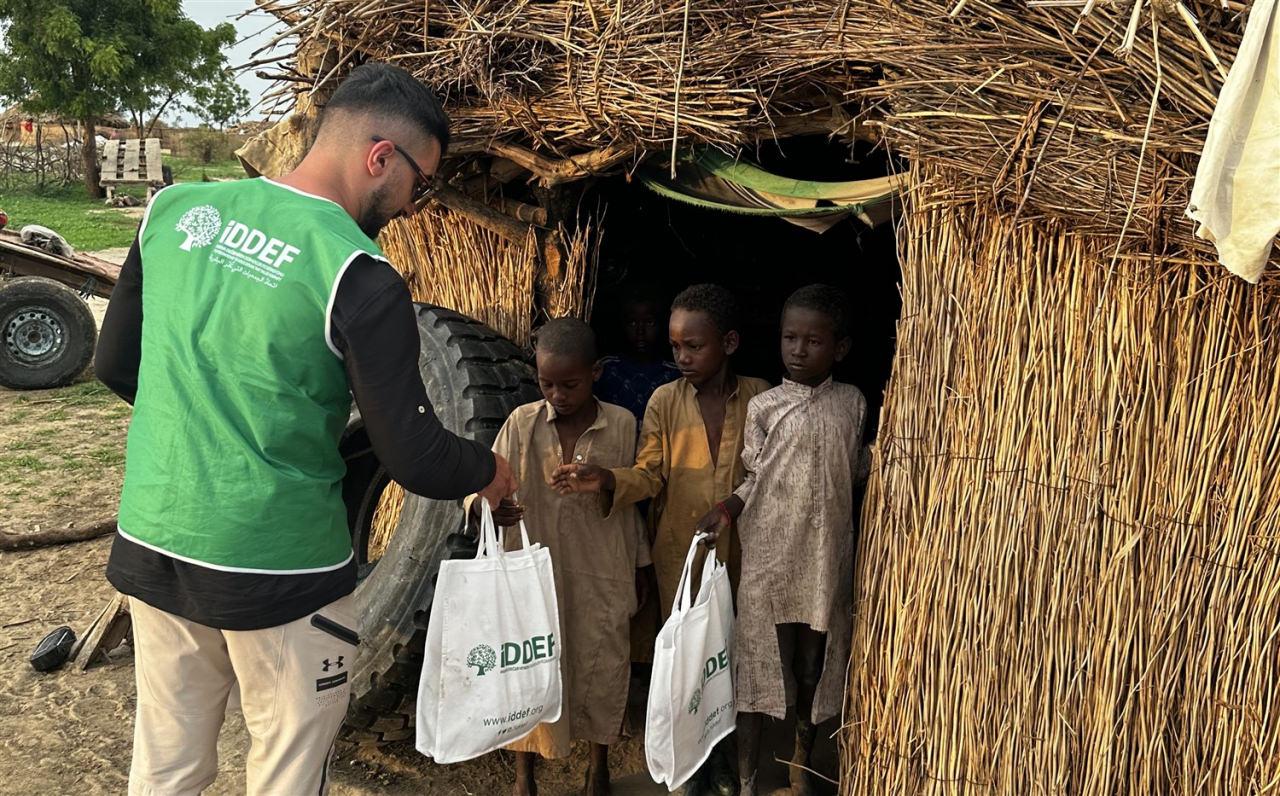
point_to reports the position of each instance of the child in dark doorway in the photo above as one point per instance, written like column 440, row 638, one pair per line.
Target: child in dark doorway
column 630, row 378
column 594, row 556
column 804, row 457
column 690, row 450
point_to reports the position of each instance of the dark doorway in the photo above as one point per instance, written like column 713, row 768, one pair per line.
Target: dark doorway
column 666, row 245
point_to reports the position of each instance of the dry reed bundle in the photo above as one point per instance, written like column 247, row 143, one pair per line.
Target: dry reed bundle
column 1067, row 568
column 449, row 260
column 571, row 292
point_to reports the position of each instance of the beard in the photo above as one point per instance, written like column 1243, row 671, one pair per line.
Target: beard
column 376, row 214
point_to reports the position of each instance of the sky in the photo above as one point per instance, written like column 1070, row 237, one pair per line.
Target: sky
column 255, row 30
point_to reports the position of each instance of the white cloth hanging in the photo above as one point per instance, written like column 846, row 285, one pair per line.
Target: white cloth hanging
column 1235, row 201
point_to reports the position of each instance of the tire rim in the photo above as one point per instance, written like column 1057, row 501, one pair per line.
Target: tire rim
column 34, row 335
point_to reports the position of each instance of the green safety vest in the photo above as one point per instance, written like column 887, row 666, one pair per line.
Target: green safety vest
column 232, row 459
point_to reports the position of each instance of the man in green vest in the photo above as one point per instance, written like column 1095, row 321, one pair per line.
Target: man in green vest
column 247, row 316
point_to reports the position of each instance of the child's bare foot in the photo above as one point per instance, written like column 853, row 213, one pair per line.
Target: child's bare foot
column 747, row 787
column 524, row 789
column 801, row 782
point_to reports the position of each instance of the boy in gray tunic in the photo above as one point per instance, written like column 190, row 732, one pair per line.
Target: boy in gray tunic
column 803, row 455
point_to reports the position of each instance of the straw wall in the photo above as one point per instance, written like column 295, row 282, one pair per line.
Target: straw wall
column 1067, row 576
column 449, row 260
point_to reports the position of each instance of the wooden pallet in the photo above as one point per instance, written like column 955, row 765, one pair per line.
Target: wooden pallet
column 132, row 162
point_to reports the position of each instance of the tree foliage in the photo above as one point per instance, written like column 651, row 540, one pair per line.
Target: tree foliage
column 219, row 102
column 87, row 58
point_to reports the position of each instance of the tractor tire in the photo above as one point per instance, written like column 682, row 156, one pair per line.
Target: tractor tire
column 47, row 334
column 474, row 378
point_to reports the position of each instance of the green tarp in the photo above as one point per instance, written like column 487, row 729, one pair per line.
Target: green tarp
column 713, row 180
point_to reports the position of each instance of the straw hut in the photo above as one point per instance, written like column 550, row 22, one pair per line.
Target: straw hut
column 1068, row 545
column 22, row 127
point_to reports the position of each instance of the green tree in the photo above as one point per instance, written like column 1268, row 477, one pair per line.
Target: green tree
column 87, row 58
column 219, row 102
column 190, row 62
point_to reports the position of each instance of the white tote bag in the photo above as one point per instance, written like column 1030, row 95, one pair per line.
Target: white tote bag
column 691, row 706
column 491, row 671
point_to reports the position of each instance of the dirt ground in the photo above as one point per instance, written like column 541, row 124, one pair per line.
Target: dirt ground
column 61, row 465
column 70, row 731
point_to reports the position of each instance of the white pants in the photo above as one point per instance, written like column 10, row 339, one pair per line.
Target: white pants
column 294, row 689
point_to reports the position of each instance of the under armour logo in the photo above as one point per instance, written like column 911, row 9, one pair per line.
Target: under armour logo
column 335, row 665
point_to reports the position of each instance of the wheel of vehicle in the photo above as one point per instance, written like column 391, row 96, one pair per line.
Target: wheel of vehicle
column 47, row 334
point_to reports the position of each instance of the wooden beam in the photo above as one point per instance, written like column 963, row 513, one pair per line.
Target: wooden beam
column 493, row 220
column 530, row 214
column 552, row 171
column 29, row 541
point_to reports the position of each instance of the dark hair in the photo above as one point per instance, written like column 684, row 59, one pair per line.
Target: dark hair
column 384, row 90
column 714, row 301
column 567, row 337
column 827, row 300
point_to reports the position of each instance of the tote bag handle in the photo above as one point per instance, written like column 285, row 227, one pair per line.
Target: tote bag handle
column 491, row 536
column 684, row 591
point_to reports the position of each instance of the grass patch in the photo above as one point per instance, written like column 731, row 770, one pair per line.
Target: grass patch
column 88, row 393
column 67, row 212
column 108, row 457
column 25, row 463
column 88, row 224
column 192, row 170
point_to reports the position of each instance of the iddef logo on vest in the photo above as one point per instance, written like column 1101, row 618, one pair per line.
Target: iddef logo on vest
column 201, row 225
column 270, row 251
column 237, row 247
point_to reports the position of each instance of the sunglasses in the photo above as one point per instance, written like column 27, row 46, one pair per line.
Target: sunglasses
column 426, row 184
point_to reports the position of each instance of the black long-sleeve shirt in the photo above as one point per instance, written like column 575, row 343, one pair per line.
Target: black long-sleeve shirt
column 374, row 326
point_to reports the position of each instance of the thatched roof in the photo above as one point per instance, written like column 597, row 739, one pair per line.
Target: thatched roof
column 1041, row 109
column 1060, row 110
column 570, row 76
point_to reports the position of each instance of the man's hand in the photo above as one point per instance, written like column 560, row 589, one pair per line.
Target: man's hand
column 503, row 485
column 568, row 479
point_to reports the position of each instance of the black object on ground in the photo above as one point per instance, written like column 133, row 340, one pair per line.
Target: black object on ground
column 53, row 650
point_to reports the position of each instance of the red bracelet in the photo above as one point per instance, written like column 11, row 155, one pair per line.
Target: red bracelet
column 728, row 518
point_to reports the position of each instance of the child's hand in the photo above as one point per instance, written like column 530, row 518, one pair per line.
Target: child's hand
column 508, row 513
column 718, row 519
column 568, row 479
column 711, row 524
